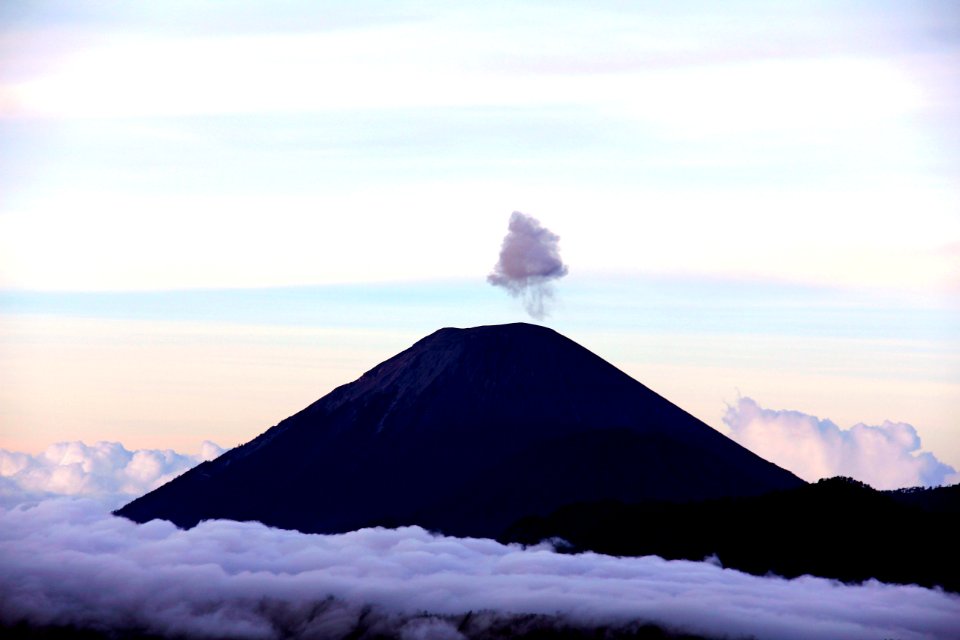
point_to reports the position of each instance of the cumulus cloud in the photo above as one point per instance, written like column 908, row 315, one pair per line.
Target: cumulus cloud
column 887, row 456
column 529, row 262
column 106, row 470
column 68, row 562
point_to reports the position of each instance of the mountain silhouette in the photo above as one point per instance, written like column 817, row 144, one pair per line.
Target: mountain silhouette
column 466, row 432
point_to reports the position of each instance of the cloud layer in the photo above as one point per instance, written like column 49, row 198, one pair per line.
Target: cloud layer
column 529, row 262
column 66, row 561
column 106, row 470
column 887, row 456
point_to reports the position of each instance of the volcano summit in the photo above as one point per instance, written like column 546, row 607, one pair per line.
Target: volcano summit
column 465, row 432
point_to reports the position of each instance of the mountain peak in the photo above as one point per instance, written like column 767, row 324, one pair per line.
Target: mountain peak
column 466, row 431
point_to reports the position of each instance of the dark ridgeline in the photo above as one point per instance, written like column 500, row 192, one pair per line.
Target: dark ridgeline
column 466, row 432
column 838, row 528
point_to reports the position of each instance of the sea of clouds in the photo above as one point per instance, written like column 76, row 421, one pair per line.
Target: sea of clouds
column 65, row 560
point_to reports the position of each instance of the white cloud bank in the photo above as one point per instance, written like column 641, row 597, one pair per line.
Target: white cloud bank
column 887, row 456
column 66, row 561
column 106, row 470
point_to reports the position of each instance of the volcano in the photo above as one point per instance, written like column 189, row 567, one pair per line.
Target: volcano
column 466, row 432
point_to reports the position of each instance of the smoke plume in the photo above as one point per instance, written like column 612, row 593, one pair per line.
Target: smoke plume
column 529, row 262
column 886, row 456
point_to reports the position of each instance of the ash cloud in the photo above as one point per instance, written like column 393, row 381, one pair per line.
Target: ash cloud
column 529, row 262
column 67, row 562
column 886, row 456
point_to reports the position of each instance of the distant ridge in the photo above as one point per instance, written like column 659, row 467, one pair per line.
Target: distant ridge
column 905, row 537
column 465, row 432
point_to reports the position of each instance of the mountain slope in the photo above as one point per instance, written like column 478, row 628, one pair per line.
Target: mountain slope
column 464, row 432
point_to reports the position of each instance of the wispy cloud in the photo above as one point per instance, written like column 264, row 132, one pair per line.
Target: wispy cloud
column 886, row 456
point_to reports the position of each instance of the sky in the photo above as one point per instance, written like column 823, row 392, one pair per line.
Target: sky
column 211, row 215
